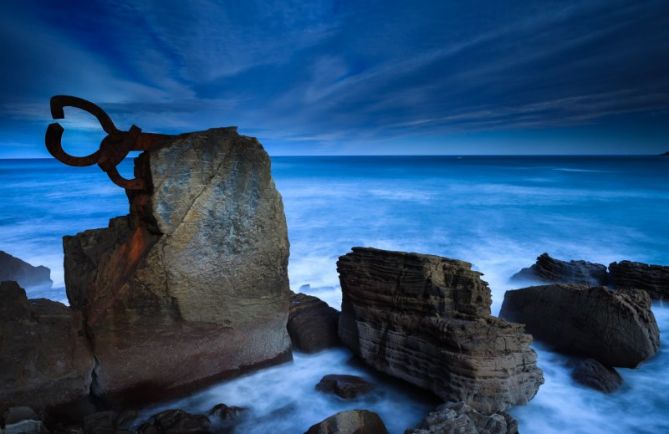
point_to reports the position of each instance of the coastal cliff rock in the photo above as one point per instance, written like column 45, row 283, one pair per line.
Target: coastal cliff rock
column 192, row 286
column 654, row 279
column 312, row 324
column 459, row 418
column 350, row 422
column 551, row 270
column 45, row 360
column 617, row 328
column 26, row 275
column 426, row 320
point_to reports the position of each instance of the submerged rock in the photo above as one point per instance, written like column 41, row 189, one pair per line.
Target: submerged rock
column 426, row 320
column 22, row 420
column 26, row 275
column 109, row 422
column 614, row 327
column 344, row 386
column 224, row 418
column 551, row 270
column 350, row 422
column 312, row 324
column 591, row 373
column 192, row 286
column 654, row 279
column 459, row 418
column 176, row 422
column 45, row 360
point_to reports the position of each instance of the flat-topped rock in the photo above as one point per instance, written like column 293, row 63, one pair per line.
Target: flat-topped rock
column 654, row 279
column 426, row 320
column 312, row 324
column 551, row 270
column 45, row 359
column 344, row 386
column 192, row 286
column 26, row 275
column 617, row 328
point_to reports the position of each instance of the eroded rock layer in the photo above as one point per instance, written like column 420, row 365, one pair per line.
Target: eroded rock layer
column 654, row 279
column 426, row 320
column 551, row 270
column 192, row 285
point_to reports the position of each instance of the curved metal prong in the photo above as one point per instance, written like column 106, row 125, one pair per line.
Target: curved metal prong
column 59, row 102
column 128, row 184
column 54, row 135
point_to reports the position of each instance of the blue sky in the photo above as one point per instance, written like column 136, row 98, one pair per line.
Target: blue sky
column 358, row 77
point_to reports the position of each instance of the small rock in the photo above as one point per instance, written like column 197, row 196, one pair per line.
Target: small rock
column 224, row 417
column 176, row 422
column 15, row 269
column 312, row 324
column 350, row 422
column 109, row 422
column 344, row 386
column 551, row 270
column 616, row 328
column 459, row 418
column 22, row 420
column 654, row 279
column 591, row 373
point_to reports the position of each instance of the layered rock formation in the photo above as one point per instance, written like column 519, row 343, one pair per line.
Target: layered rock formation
column 45, row 360
column 350, row 422
column 26, row 275
column 616, row 328
column 551, row 270
column 312, row 324
column 591, row 373
column 652, row 278
column 426, row 320
column 459, row 418
column 192, row 285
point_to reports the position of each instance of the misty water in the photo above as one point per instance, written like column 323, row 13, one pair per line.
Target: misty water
column 497, row 212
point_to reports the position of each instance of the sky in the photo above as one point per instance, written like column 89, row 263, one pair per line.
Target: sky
column 345, row 77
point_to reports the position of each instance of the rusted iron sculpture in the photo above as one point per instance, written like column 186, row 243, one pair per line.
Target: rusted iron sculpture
column 114, row 147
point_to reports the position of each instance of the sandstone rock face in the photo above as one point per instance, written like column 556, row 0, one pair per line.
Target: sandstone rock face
column 350, row 422
column 550, row 270
column 652, row 278
column 26, row 275
column 344, row 386
column 426, row 320
column 44, row 356
column 591, row 373
column 614, row 327
column 312, row 324
column 192, row 286
column 459, row 418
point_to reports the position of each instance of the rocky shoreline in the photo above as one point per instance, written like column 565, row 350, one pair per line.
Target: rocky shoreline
column 192, row 287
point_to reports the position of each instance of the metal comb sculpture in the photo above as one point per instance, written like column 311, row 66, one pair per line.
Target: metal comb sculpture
column 114, row 147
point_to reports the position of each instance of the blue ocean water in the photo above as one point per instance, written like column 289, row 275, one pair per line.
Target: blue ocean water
column 497, row 212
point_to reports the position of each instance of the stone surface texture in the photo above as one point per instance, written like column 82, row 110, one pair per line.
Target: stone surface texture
column 192, row 285
column 350, row 422
column 654, row 279
column 26, row 275
column 312, row 324
column 426, row 319
column 551, row 270
column 591, row 373
column 617, row 328
column 45, row 359
column 459, row 418
column 344, row 386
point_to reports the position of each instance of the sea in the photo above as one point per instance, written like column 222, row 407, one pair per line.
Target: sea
column 497, row 212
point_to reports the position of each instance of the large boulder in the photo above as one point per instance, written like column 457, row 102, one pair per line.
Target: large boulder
column 426, row 320
column 192, row 286
column 459, row 418
column 312, row 324
column 551, row 270
column 45, row 360
column 350, row 422
column 654, row 279
column 26, row 275
column 616, row 328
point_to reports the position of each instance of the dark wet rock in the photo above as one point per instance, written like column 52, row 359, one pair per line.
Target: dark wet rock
column 44, row 358
column 22, row 420
column 617, row 328
column 224, row 417
column 551, row 270
column 459, row 418
column 109, row 422
column 176, row 422
column 350, row 422
column 654, row 279
column 591, row 373
column 312, row 324
column 192, row 286
column 344, row 386
column 426, row 320
column 26, row 275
